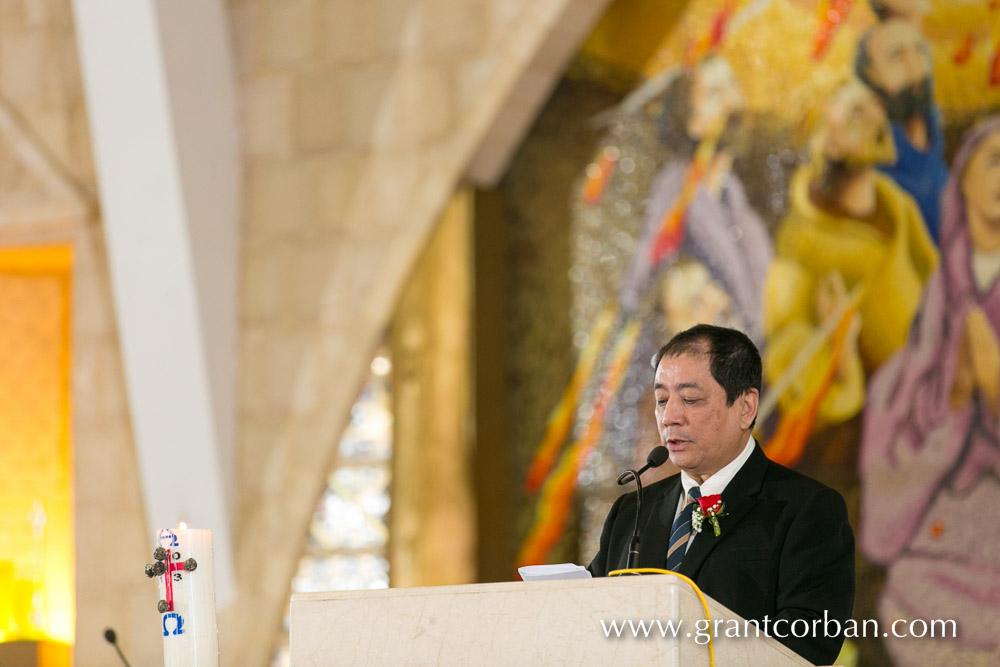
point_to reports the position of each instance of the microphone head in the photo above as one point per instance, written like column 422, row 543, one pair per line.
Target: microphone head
column 110, row 636
column 657, row 457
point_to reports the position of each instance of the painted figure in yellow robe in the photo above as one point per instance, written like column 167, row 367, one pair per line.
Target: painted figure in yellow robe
column 851, row 234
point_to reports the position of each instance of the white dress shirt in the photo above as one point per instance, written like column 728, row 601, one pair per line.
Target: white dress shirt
column 715, row 484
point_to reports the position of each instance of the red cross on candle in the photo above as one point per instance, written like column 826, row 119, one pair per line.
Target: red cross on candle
column 172, row 567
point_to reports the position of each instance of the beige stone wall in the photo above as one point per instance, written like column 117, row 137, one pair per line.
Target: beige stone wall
column 40, row 78
column 46, row 198
column 112, row 538
column 358, row 120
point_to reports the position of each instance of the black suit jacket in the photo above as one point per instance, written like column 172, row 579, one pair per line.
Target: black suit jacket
column 786, row 550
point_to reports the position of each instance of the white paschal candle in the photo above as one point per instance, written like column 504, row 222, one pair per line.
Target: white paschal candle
column 189, row 630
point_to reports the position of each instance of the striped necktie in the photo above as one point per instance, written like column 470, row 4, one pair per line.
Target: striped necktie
column 680, row 533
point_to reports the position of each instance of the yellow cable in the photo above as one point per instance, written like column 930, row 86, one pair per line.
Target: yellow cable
column 704, row 603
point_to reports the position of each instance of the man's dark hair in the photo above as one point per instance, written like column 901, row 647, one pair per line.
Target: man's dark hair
column 677, row 109
column 881, row 10
column 914, row 100
column 863, row 60
column 733, row 358
column 677, row 113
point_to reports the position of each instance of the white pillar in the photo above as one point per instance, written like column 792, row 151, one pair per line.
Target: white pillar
column 160, row 87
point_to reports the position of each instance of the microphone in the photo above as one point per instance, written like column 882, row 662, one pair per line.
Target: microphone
column 112, row 638
column 656, row 458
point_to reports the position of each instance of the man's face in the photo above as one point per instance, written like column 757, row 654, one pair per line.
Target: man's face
column 981, row 182
column 700, row 431
column 900, row 69
column 855, row 129
column 715, row 97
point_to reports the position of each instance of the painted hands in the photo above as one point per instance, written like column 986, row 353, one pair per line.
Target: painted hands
column 978, row 363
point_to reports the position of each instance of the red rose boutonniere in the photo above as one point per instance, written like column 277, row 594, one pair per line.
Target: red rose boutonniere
column 710, row 507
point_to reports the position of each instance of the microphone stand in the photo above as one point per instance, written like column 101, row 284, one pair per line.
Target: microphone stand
column 633, row 547
column 654, row 460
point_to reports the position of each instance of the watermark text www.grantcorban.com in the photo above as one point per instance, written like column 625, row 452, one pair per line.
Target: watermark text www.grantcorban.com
column 780, row 628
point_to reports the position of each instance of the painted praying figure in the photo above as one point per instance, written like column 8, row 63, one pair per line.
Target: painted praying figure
column 930, row 453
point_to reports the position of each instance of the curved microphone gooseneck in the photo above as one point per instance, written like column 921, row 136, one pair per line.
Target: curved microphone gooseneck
column 655, row 459
column 633, row 546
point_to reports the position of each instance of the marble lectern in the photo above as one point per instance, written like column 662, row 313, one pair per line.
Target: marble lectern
column 540, row 623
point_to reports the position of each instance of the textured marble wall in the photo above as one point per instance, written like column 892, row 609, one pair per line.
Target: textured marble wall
column 358, row 119
column 46, row 197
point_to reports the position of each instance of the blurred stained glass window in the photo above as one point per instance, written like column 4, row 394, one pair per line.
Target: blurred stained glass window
column 346, row 548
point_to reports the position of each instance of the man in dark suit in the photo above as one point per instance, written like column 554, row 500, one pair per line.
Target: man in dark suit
column 785, row 551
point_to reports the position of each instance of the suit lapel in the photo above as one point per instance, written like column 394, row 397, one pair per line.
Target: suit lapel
column 656, row 530
column 739, row 497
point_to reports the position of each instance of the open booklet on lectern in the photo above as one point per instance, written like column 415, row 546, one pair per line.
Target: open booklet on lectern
column 552, row 572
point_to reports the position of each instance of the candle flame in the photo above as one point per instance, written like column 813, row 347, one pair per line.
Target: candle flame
column 184, row 525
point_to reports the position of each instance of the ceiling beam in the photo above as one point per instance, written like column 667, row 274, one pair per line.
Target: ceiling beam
column 160, row 90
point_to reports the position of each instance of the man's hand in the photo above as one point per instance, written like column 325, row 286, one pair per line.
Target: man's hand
column 718, row 172
column 831, row 293
column 978, row 365
column 965, row 380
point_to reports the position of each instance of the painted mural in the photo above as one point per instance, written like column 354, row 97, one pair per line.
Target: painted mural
column 824, row 175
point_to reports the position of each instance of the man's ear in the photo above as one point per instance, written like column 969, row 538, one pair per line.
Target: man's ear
column 748, row 407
